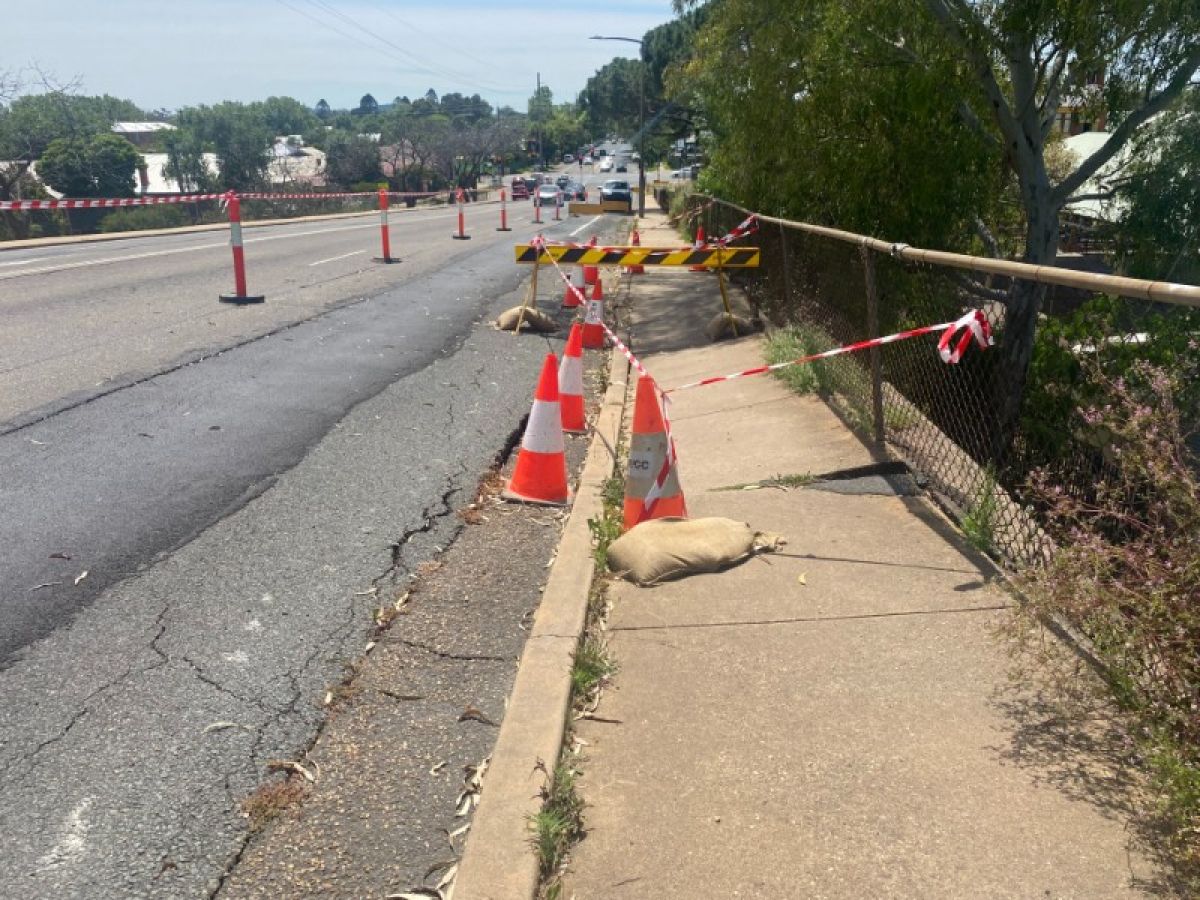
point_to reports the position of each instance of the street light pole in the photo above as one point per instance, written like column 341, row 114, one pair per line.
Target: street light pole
column 641, row 117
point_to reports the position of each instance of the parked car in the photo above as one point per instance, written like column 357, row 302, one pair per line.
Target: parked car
column 575, row 191
column 606, row 164
column 568, row 158
column 547, row 195
column 520, row 190
column 622, row 166
column 616, row 190
column 587, row 160
column 562, row 181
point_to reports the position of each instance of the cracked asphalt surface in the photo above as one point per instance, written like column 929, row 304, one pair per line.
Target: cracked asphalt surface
column 240, row 518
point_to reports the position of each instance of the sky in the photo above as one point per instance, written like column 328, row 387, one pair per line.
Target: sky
column 175, row 53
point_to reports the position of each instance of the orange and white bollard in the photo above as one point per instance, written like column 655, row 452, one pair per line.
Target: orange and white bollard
column 503, row 212
column 385, row 238
column 558, row 207
column 462, row 235
column 537, row 210
column 239, row 259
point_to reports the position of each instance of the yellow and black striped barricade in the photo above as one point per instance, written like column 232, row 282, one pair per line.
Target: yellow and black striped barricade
column 709, row 257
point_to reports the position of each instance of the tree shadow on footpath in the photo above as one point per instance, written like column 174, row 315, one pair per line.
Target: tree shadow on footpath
column 1067, row 733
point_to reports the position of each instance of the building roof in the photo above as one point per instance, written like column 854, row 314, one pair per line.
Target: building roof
column 1081, row 146
column 141, row 127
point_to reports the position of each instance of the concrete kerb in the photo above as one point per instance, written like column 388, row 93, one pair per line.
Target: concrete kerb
column 498, row 861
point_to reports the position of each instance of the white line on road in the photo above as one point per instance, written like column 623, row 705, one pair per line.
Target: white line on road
column 399, row 220
column 321, row 262
column 585, row 225
column 24, row 262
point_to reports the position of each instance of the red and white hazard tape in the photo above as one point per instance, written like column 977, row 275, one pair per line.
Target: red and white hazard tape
column 748, row 226
column 973, row 326
column 102, row 203
column 109, row 202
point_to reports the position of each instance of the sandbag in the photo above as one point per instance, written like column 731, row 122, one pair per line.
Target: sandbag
column 721, row 327
column 660, row 549
column 533, row 320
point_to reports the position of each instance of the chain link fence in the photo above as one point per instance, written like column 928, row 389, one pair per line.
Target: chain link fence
column 947, row 422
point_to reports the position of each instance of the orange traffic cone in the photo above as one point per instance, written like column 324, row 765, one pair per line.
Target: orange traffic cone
column 652, row 485
column 698, row 245
column 570, row 382
column 572, row 296
column 591, row 274
column 540, row 475
column 636, row 241
column 593, row 320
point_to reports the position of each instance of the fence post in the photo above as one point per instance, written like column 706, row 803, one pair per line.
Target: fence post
column 873, row 332
column 384, row 235
column 239, row 259
column 787, row 268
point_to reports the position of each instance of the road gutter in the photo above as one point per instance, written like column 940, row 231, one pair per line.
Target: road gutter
column 498, row 861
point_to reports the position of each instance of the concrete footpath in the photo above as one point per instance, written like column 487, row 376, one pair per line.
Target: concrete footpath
column 836, row 720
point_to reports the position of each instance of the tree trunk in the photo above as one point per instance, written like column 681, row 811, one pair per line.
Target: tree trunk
column 1020, row 323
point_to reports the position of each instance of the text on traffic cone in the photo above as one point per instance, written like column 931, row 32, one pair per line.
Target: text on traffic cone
column 652, row 484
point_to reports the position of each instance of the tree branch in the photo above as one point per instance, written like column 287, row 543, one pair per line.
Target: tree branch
column 978, row 290
column 1127, row 128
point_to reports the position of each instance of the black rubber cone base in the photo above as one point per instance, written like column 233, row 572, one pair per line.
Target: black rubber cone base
column 239, row 300
column 389, row 260
column 461, row 237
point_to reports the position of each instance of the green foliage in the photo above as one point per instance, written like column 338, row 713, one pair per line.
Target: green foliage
column 367, row 106
column 1158, row 235
column 559, row 824
column 842, row 126
column 793, row 342
column 1103, row 334
column 591, row 667
column 240, row 137
column 30, row 123
column 185, row 161
column 351, row 159
column 322, row 109
column 1126, row 572
column 99, row 166
column 979, row 521
column 143, row 218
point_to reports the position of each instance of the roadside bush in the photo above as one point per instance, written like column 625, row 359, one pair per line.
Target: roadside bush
column 143, row 218
column 1127, row 573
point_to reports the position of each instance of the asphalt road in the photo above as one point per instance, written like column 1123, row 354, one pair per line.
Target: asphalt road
column 234, row 482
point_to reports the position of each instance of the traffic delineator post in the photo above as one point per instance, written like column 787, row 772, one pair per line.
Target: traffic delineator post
column 635, row 240
column 570, row 382
column 537, row 210
column 385, row 238
column 240, row 298
column 652, row 483
column 503, row 212
column 558, row 207
column 572, row 295
column 462, row 232
column 540, row 475
column 593, row 321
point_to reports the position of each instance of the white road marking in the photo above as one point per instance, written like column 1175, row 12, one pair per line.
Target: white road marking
column 321, row 262
column 24, row 262
column 72, row 838
column 399, row 220
column 585, row 225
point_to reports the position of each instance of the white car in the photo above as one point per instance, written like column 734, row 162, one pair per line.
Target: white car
column 606, row 164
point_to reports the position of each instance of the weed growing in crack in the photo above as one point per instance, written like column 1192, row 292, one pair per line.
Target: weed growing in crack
column 979, row 522
column 557, row 827
column 591, row 669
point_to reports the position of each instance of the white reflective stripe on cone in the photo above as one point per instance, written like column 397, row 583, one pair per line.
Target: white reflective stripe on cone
column 544, row 433
column 570, row 376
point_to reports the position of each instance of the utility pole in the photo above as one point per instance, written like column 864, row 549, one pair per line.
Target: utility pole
column 541, row 153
